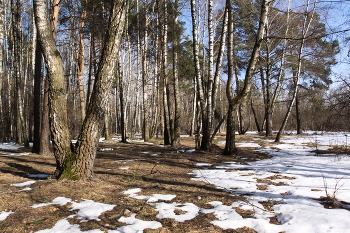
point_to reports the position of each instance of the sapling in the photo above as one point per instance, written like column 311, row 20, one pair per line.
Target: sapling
column 331, row 199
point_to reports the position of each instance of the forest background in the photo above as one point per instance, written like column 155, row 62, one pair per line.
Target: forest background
column 179, row 67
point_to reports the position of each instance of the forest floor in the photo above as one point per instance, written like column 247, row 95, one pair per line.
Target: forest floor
column 153, row 168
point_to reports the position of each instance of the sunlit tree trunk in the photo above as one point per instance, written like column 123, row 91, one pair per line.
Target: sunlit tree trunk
column 161, row 11
column 44, row 121
column 57, row 89
column 234, row 101
column 17, row 72
column 92, row 62
column 106, row 129
column 269, row 93
column 88, row 138
column 296, row 75
column 146, row 118
column 81, row 64
column 176, row 84
column 37, row 98
column 208, row 127
column 199, row 80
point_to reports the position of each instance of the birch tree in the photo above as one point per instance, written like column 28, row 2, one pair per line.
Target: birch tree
column 308, row 18
column 206, row 90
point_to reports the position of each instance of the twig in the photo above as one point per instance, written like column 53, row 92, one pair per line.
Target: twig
column 153, row 169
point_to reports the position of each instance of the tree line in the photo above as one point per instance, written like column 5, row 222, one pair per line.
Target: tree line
column 77, row 69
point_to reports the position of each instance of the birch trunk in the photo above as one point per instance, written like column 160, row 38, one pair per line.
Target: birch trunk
column 201, row 98
column 88, row 138
column 17, row 65
column 305, row 29
column 37, row 98
column 57, row 90
column 146, row 120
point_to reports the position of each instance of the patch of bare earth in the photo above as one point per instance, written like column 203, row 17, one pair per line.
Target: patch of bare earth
column 118, row 167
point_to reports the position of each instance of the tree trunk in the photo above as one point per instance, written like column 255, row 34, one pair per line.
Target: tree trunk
column 122, row 108
column 2, row 70
column 230, row 147
column 106, row 129
column 146, row 118
column 44, row 148
column 81, row 64
column 91, row 68
column 234, row 101
column 208, row 120
column 255, row 117
column 57, row 90
column 298, row 115
column 296, row 77
column 165, row 73
column 88, row 138
column 17, row 65
column 37, row 98
column 176, row 84
column 205, row 141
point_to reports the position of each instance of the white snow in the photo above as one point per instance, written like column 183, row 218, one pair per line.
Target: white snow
column 89, row 209
column 57, row 200
column 26, row 183
column 154, row 198
column 106, row 149
column 4, row 215
column 202, row 164
column 63, row 226
column 305, row 178
column 135, row 225
column 9, row 146
column 190, row 151
column 166, row 210
column 250, row 144
column 13, row 154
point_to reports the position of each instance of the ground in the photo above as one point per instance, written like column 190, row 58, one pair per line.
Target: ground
column 153, row 168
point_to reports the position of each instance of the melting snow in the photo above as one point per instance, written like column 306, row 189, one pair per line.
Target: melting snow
column 26, row 183
column 4, row 215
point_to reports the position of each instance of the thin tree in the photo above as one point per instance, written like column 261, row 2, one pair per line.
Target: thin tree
column 2, row 68
column 80, row 55
column 176, row 40
column 309, row 16
column 17, row 70
column 206, row 90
